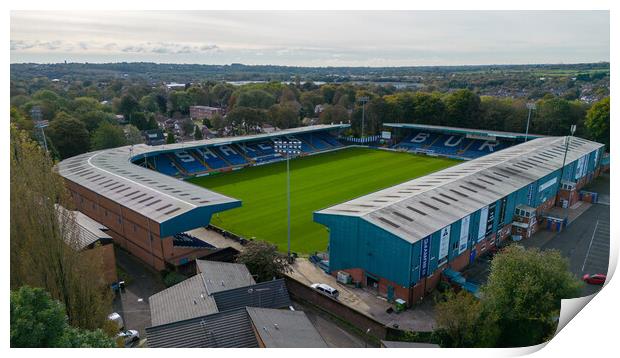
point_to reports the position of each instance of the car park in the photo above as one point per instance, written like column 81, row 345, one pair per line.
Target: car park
column 325, row 289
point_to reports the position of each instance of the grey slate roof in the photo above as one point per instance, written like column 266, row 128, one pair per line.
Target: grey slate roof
column 221, row 276
column 285, row 329
column 187, row 299
column 159, row 197
column 422, row 206
column 230, row 329
column 270, row 294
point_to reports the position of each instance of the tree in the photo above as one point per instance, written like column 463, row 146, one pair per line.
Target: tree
column 255, row 99
column 245, row 120
column 69, row 135
column 263, row 260
column 170, row 137
column 462, row 108
column 523, row 294
column 597, row 121
column 108, row 136
column 197, row 133
column 128, row 105
column 38, row 321
column 133, row 135
column 283, row 116
column 180, row 101
column 460, row 317
column 43, row 248
column 334, row 114
column 93, row 119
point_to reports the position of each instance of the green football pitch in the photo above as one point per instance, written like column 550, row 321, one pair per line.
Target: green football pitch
column 317, row 182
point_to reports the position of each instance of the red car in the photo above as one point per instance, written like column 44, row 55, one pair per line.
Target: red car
column 596, row 279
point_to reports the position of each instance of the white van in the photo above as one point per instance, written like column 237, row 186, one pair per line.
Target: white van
column 325, row 289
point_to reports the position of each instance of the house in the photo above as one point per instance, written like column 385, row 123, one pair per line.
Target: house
column 120, row 119
column 202, row 112
column 154, row 137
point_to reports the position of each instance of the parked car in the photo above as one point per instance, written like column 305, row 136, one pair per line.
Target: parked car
column 596, row 279
column 325, row 289
column 129, row 336
column 117, row 319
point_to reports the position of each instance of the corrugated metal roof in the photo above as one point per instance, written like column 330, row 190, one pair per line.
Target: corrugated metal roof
column 82, row 232
column 230, row 329
column 285, row 328
column 462, row 131
column 187, row 299
column 270, row 294
column 221, row 276
column 422, row 206
column 159, row 197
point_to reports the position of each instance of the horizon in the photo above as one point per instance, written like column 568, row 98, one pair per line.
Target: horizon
column 303, row 38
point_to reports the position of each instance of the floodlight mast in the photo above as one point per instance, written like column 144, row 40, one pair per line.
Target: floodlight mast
column 363, row 99
column 288, row 148
column 530, row 106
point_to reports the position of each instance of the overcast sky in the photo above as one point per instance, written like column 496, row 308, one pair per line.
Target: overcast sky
column 376, row 38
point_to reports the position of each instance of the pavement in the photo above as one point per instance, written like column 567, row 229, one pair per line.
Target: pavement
column 142, row 282
column 419, row 318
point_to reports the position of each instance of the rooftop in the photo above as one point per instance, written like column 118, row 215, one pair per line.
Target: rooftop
column 85, row 231
column 419, row 207
column 285, row 329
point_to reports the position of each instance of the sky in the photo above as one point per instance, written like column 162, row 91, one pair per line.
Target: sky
column 312, row 38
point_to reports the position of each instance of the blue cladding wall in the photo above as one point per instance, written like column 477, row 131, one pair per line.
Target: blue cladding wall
column 356, row 243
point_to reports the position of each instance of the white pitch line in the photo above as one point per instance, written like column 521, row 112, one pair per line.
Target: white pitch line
column 589, row 247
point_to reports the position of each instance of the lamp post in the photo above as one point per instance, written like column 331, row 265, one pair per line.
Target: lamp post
column 363, row 99
column 36, row 115
column 288, row 148
column 530, row 106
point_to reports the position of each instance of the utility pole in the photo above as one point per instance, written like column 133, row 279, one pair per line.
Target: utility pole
column 288, row 148
column 363, row 99
column 530, row 106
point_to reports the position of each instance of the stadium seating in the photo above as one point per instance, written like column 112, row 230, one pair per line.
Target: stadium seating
column 450, row 145
column 164, row 165
column 212, row 160
column 186, row 240
column 229, row 154
column 190, row 164
column 199, row 160
column 315, row 141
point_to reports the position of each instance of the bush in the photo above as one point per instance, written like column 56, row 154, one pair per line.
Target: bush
column 172, row 278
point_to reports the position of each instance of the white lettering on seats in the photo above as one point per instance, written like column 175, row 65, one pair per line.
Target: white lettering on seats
column 184, row 157
column 420, row 137
column 207, row 153
column 228, row 151
column 448, row 142
column 491, row 144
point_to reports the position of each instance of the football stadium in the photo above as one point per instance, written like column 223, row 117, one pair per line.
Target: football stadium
column 392, row 210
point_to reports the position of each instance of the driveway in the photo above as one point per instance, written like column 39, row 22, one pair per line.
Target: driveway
column 141, row 282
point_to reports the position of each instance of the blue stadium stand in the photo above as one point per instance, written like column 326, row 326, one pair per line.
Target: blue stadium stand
column 329, row 139
column 163, row 164
column 190, row 164
column 212, row 160
column 484, row 147
column 315, row 141
column 229, row 154
column 186, row 240
column 418, row 140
